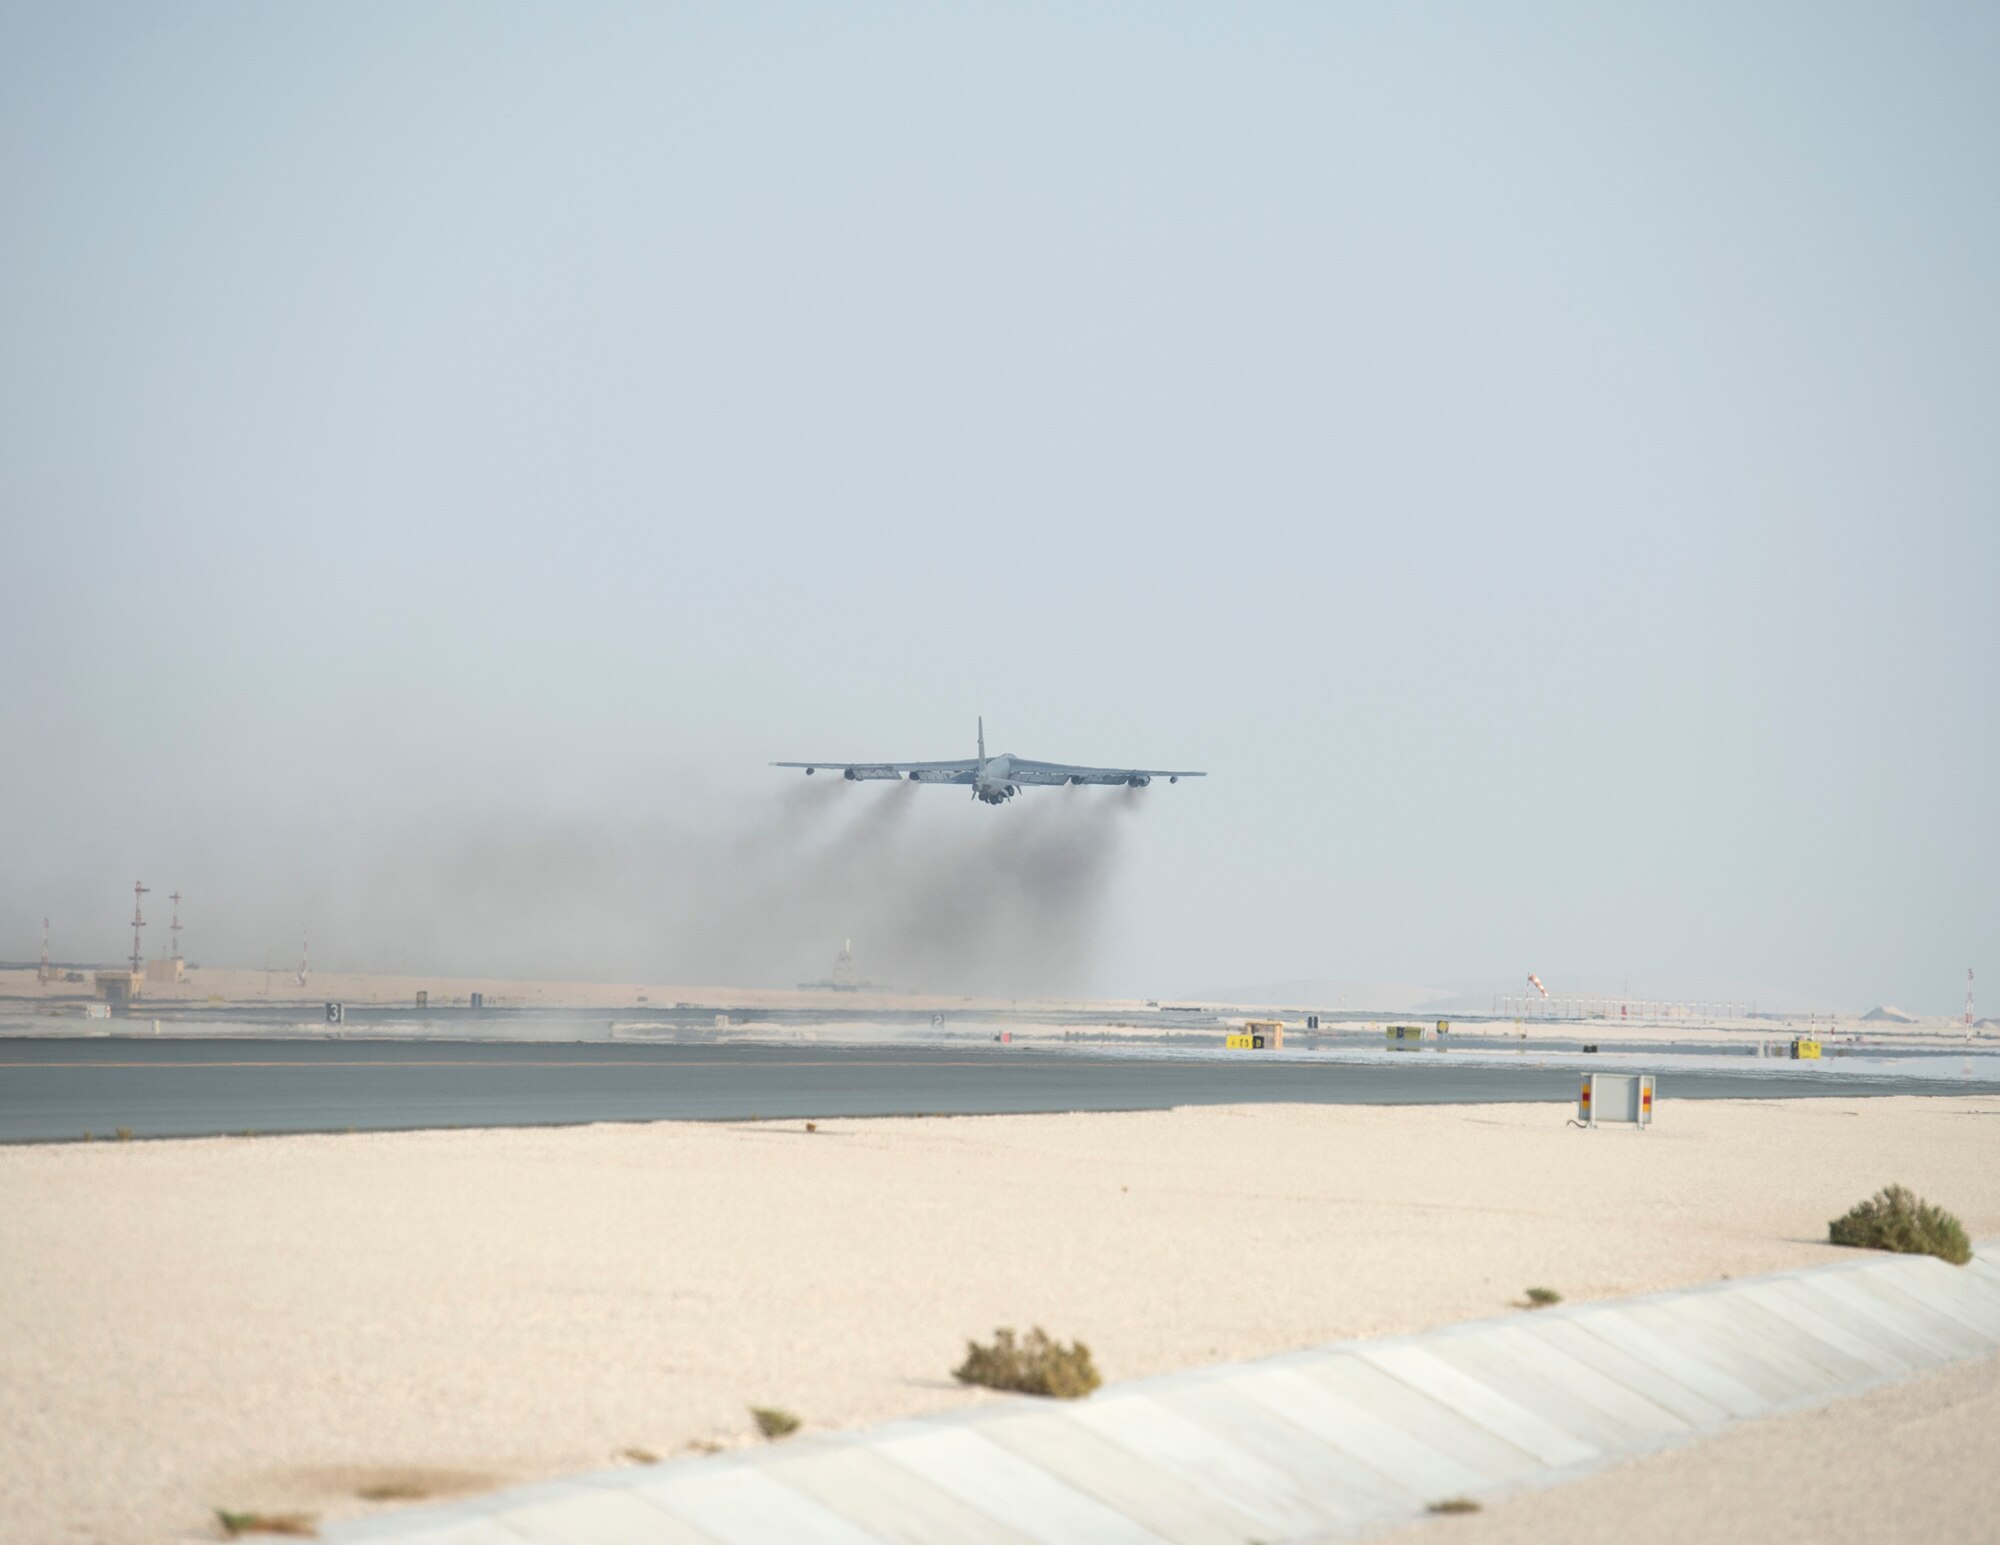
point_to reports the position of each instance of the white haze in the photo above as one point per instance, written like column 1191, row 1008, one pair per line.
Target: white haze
column 936, row 894
column 1538, row 459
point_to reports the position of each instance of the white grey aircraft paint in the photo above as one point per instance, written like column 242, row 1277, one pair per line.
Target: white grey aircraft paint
column 995, row 779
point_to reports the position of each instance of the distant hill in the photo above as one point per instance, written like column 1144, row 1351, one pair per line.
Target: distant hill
column 1440, row 1002
column 1884, row 1014
column 1321, row 993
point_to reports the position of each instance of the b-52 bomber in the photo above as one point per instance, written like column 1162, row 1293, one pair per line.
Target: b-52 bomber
column 994, row 779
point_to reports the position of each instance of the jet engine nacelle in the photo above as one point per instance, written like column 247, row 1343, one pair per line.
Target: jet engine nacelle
column 1138, row 783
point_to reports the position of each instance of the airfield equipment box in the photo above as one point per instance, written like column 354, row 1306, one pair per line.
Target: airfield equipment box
column 1257, row 1035
column 335, row 1013
column 1805, row 1046
column 1616, row 1098
column 118, row 986
column 1405, row 1036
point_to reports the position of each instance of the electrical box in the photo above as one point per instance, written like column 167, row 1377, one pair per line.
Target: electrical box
column 1615, row 1099
column 1257, row 1035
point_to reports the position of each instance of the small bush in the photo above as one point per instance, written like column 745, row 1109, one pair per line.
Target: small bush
column 394, row 1491
column 1543, row 1298
column 774, row 1423
column 297, row 1524
column 1032, row 1366
column 124, row 1134
column 1453, row 1505
column 1894, row 1218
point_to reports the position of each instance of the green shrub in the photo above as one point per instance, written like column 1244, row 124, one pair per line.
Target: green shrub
column 1032, row 1366
column 300, row 1525
column 774, row 1423
column 1453, row 1505
column 1543, row 1298
column 1894, row 1218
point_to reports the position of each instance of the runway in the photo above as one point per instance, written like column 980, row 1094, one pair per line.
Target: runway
column 54, row 1090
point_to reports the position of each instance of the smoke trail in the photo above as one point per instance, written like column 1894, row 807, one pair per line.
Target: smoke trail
column 938, row 896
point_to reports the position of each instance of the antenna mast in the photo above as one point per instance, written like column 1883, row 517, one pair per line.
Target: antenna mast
column 175, row 927
column 1968, row 1000
column 139, row 889
column 42, row 972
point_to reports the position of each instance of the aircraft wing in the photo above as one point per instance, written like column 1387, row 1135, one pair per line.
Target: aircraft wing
column 919, row 772
column 1060, row 772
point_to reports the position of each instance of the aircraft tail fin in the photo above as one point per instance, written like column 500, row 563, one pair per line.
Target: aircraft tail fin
column 982, row 737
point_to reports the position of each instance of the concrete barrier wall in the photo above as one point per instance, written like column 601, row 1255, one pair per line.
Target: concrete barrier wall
column 1316, row 1443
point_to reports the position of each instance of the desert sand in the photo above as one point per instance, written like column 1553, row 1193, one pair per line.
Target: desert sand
column 303, row 1322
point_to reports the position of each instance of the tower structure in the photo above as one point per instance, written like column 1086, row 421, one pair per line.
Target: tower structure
column 174, row 927
column 305, row 955
column 139, row 891
column 43, row 972
column 1968, row 1000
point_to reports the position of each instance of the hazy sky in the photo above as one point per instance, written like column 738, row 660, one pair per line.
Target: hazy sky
column 1545, row 462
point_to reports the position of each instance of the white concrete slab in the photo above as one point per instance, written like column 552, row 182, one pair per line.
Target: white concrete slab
column 1843, row 1288
column 1898, row 1356
column 1785, row 1344
column 1914, row 1311
column 1671, row 1394
column 1524, row 1385
column 1473, row 1446
column 1946, row 1288
column 460, row 1529
column 1172, row 1443
column 1705, row 1331
column 1428, row 1373
column 740, row 1504
column 596, row 1515
column 1339, row 1480
column 884, row 1499
column 1800, row 1333
column 987, row 1477
column 1414, row 1470
column 1705, row 1372
column 1513, row 1352
column 1171, row 1505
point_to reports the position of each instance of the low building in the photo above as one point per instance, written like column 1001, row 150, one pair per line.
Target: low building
column 1257, row 1035
column 117, row 986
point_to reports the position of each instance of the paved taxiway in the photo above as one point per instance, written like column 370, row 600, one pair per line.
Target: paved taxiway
column 59, row 1089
